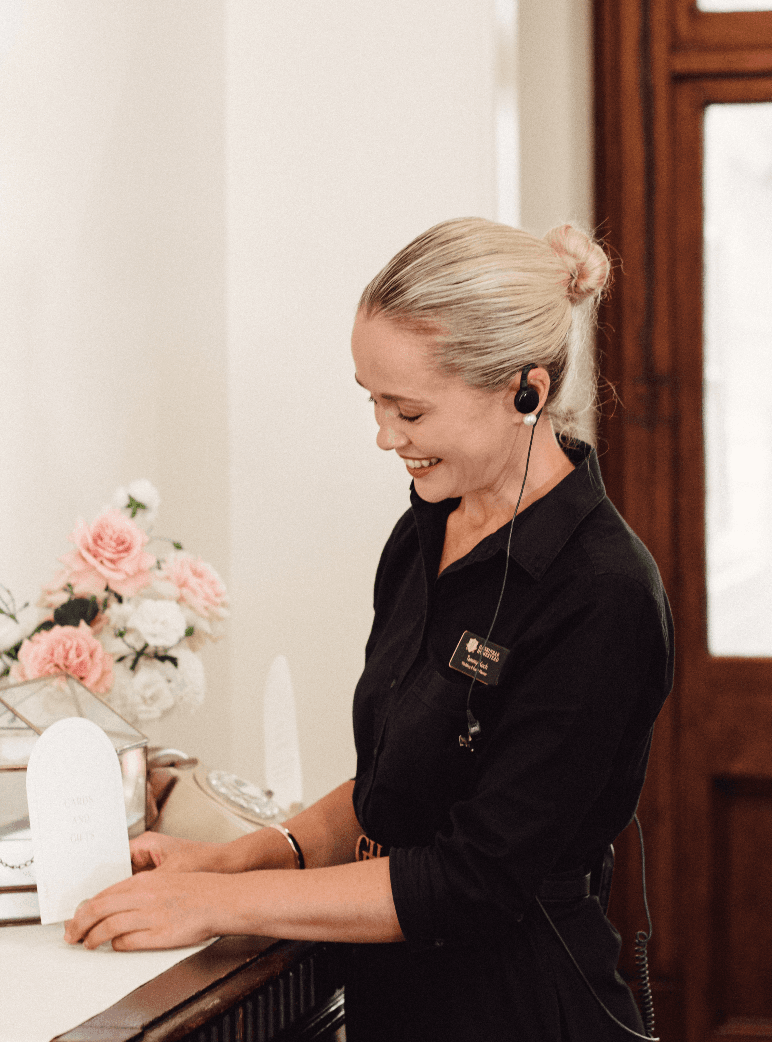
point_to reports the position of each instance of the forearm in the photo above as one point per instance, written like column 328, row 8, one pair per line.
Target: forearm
column 350, row 902
column 326, row 832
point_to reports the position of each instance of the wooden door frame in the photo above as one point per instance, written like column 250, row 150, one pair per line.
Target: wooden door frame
column 721, row 675
column 638, row 432
column 646, row 51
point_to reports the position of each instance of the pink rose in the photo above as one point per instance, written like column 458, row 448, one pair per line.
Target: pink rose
column 110, row 552
column 66, row 649
column 198, row 585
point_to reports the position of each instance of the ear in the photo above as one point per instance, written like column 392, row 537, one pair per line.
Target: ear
column 538, row 378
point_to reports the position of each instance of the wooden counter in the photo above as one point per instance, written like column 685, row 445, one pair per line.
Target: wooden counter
column 239, row 989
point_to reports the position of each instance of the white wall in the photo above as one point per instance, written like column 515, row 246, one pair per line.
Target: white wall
column 113, row 351
column 555, row 99
column 344, row 142
column 194, row 193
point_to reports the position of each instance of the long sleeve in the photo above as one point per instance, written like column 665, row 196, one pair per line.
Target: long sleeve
column 558, row 767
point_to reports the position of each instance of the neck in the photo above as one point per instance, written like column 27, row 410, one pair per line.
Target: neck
column 489, row 509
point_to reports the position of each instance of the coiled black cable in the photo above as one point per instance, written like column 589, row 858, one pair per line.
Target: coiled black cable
column 641, row 954
column 641, row 958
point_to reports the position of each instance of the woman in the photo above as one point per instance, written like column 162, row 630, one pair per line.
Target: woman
column 521, row 650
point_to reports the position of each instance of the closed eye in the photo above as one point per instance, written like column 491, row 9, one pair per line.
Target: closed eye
column 401, row 415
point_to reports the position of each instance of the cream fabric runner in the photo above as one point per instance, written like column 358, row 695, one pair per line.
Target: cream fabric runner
column 49, row 987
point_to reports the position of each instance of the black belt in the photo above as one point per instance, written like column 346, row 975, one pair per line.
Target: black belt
column 553, row 888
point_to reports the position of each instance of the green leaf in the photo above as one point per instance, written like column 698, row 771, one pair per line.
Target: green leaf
column 135, row 506
column 138, row 656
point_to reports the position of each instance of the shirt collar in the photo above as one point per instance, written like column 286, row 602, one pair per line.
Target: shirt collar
column 539, row 533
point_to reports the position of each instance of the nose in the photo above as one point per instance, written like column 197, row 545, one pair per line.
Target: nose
column 388, row 436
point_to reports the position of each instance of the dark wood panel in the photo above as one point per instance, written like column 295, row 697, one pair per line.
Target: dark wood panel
column 742, row 880
column 721, row 31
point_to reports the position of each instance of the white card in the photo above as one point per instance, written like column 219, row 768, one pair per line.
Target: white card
column 283, row 772
column 77, row 816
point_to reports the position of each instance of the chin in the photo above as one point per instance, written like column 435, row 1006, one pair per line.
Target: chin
column 431, row 495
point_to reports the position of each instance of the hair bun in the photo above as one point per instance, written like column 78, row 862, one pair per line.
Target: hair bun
column 587, row 266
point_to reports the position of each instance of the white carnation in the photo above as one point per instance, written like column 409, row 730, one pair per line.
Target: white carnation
column 10, row 633
column 160, row 588
column 203, row 629
column 151, row 694
column 119, row 695
column 144, row 492
column 13, row 631
column 160, row 623
column 188, row 681
column 119, row 613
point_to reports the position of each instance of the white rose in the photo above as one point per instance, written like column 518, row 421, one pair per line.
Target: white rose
column 160, row 623
column 144, row 492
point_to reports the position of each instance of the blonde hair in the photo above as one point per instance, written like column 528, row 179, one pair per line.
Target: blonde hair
column 494, row 299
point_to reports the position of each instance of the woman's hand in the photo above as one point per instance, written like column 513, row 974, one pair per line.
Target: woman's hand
column 154, row 850
column 350, row 902
column 151, row 910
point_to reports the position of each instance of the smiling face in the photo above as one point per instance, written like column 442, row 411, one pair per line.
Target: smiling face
column 455, row 440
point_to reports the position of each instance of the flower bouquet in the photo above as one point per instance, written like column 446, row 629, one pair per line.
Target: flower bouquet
column 126, row 615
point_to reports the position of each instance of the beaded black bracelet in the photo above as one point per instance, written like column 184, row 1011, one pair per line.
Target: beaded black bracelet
column 300, row 861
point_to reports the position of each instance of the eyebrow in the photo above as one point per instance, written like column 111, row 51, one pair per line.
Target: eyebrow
column 391, row 397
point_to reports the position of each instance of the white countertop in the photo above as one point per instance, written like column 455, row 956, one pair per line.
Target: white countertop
column 49, row 986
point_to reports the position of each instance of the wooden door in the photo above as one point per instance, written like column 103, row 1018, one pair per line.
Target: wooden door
column 707, row 804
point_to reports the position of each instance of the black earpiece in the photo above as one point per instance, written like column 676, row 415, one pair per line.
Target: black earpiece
column 527, row 398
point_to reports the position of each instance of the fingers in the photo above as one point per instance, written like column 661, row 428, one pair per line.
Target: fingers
column 142, row 861
column 145, row 852
column 150, row 910
column 152, row 851
column 86, row 925
column 124, row 930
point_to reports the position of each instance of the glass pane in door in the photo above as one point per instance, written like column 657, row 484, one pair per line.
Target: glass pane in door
column 737, row 377
column 734, row 5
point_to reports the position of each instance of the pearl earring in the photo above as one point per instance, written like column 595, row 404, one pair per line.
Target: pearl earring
column 530, row 419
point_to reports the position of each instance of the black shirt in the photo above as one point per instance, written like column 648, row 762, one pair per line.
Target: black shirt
column 555, row 774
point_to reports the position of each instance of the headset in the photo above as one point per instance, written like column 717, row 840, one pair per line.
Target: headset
column 526, row 401
column 527, row 398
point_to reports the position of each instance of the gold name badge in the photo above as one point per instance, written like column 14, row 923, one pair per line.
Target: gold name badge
column 479, row 658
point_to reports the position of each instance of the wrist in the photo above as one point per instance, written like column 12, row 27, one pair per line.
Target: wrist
column 297, row 853
column 218, row 858
column 265, row 848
